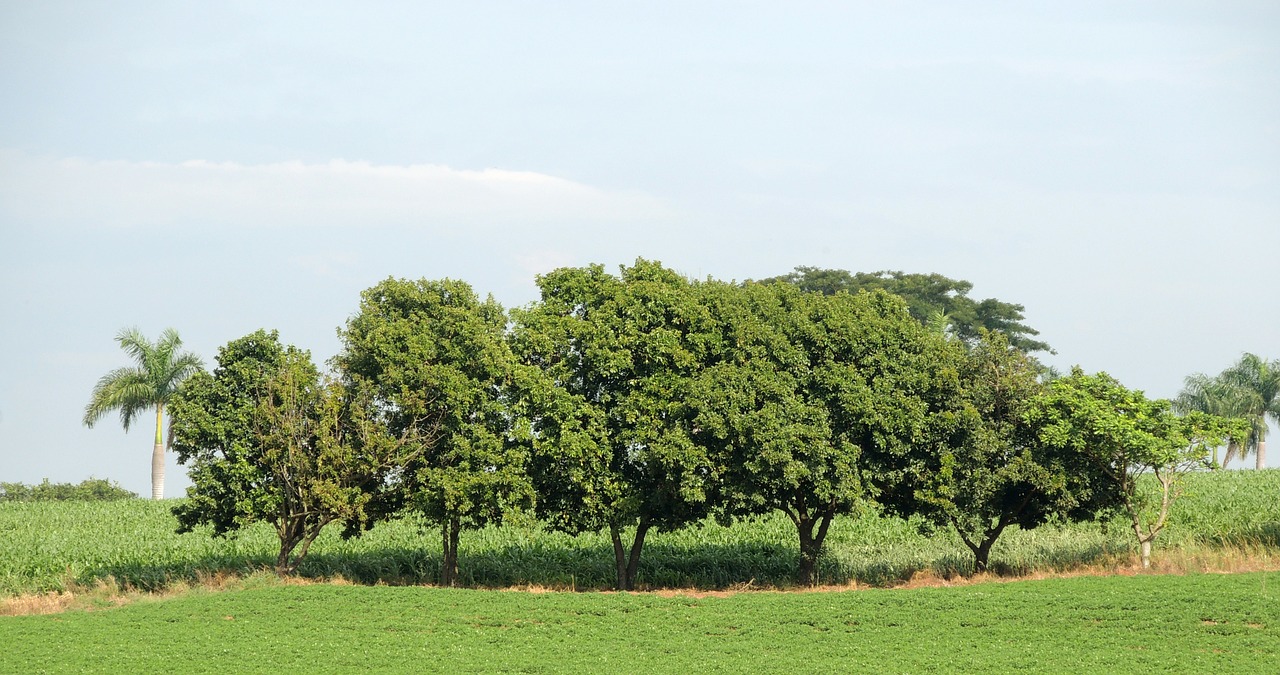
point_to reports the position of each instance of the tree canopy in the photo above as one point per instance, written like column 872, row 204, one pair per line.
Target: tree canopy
column 812, row 393
column 929, row 297
column 268, row 439
column 610, row 441
column 990, row 469
column 1125, row 435
column 437, row 360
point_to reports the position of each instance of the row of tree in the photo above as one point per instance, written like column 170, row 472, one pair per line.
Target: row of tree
column 646, row 402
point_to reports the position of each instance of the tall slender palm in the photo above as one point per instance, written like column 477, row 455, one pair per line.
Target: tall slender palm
column 1258, row 382
column 159, row 371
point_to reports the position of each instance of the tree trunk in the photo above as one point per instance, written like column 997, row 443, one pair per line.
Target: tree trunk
column 982, row 554
column 626, row 565
column 637, row 545
column 619, row 558
column 1262, row 455
column 157, row 457
column 449, row 564
column 811, row 547
column 1145, row 546
column 981, row 550
column 290, row 532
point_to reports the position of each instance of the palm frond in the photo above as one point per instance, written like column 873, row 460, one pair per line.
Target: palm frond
column 125, row 389
column 135, row 344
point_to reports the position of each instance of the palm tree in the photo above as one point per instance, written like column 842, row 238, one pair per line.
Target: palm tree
column 1250, row 389
column 1212, row 395
column 159, row 371
column 1258, row 383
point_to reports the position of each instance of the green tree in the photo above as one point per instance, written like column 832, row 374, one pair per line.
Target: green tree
column 1127, row 436
column 437, row 359
column 268, row 439
column 990, row 470
column 927, row 297
column 610, row 434
column 807, row 388
column 159, row 371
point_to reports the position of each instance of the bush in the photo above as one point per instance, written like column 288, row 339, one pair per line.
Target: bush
column 89, row 490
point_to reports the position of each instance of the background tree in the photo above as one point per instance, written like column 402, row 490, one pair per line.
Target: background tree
column 268, row 439
column 1258, row 382
column 1249, row 389
column 611, row 445
column 807, row 388
column 927, row 296
column 88, row 490
column 437, row 360
column 160, row 369
column 990, row 470
column 1127, row 436
column 1213, row 396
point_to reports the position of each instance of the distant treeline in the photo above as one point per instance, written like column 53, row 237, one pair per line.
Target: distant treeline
column 89, row 490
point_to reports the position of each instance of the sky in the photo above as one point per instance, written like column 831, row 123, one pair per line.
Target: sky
column 223, row 167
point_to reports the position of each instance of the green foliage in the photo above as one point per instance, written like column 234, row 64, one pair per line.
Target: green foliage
column 929, row 297
column 268, row 440
column 991, row 469
column 611, row 445
column 810, row 394
column 88, row 490
column 1202, row 623
column 1126, row 435
column 438, row 364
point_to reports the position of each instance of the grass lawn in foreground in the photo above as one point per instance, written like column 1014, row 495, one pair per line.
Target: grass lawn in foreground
column 1146, row 623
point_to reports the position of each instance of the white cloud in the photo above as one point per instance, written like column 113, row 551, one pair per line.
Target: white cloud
column 59, row 192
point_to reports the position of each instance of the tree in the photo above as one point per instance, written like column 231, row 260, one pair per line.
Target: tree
column 611, row 446
column 268, row 439
column 1258, row 382
column 160, row 371
column 927, row 297
column 990, row 470
column 1211, row 395
column 1126, row 435
column 437, row 360
column 1249, row 389
column 810, row 397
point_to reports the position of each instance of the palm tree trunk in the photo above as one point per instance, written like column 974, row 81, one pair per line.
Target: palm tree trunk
column 157, row 457
column 1262, row 454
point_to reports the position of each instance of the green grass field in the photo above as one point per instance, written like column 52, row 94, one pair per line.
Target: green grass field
column 1148, row 623
column 55, row 546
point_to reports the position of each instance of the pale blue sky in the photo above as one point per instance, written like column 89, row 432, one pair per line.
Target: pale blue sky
column 220, row 167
